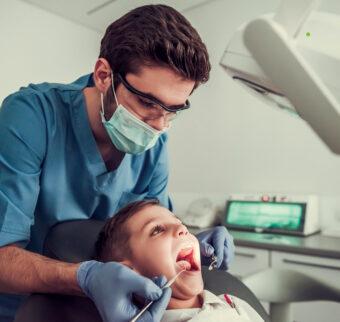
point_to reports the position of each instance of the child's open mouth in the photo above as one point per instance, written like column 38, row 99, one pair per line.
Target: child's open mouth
column 185, row 260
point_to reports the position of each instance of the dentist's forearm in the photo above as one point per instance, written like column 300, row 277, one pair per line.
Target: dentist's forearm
column 25, row 272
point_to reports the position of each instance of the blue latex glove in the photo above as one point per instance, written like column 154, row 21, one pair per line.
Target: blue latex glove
column 110, row 286
column 219, row 242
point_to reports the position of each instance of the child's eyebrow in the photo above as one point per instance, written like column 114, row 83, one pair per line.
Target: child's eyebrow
column 147, row 223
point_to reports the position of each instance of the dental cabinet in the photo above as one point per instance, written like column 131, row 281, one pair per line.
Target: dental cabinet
column 317, row 256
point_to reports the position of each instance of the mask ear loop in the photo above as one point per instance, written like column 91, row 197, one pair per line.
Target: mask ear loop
column 102, row 102
column 102, row 98
column 102, row 107
column 113, row 88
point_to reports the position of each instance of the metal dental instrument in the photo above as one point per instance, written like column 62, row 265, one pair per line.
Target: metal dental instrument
column 168, row 284
column 213, row 263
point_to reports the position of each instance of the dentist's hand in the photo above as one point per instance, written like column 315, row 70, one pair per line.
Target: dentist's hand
column 216, row 240
column 110, row 286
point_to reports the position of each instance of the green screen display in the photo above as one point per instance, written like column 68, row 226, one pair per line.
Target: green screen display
column 266, row 215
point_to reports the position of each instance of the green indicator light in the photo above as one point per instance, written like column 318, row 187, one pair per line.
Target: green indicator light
column 308, row 34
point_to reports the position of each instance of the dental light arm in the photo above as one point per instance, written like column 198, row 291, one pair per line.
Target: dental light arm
column 273, row 56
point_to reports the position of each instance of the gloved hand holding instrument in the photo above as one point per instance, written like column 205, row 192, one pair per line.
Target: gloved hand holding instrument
column 111, row 286
column 219, row 243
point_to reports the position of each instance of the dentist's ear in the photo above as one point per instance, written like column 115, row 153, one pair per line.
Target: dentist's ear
column 102, row 75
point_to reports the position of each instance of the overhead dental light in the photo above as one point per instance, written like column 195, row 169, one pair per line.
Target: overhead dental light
column 291, row 59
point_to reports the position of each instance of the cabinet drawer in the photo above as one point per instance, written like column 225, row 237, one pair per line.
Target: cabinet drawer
column 325, row 269
column 249, row 260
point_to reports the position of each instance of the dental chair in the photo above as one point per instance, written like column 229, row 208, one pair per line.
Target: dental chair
column 73, row 241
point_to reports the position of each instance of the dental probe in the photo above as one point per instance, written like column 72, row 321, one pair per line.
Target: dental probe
column 213, row 263
column 168, row 284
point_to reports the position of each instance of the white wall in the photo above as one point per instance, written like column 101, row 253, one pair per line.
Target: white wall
column 232, row 142
column 37, row 46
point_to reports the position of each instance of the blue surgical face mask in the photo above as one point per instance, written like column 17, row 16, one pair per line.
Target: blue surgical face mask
column 128, row 133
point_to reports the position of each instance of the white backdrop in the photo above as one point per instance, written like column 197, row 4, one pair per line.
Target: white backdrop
column 37, row 46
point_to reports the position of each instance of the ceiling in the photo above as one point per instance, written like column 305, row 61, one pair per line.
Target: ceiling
column 98, row 14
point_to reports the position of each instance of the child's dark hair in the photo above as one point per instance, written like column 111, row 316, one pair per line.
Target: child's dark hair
column 113, row 240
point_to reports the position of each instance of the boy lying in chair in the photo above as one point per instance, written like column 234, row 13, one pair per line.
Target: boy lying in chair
column 152, row 241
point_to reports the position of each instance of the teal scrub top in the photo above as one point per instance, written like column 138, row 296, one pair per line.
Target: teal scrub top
column 51, row 169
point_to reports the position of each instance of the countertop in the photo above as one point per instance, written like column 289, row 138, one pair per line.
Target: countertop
column 314, row 245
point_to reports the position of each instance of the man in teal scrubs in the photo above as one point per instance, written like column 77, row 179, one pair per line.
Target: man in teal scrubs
column 85, row 149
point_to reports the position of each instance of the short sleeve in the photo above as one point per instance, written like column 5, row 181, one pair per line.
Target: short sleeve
column 22, row 150
column 159, row 183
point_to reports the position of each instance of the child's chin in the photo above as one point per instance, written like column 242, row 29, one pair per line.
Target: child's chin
column 186, row 289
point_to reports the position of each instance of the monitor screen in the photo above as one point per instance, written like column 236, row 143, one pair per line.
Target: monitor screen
column 270, row 216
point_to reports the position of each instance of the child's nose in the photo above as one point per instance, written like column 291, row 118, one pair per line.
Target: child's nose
column 181, row 230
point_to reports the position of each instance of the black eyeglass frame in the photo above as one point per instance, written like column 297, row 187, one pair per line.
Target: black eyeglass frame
column 152, row 99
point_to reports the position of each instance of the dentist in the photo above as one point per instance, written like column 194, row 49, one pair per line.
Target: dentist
column 85, row 149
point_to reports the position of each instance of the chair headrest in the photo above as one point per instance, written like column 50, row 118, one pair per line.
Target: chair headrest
column 73, row 241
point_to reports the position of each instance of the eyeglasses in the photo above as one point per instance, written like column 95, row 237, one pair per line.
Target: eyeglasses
column 152, row 101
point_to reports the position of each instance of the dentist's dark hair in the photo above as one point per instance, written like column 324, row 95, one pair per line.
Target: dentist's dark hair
column 113, row 240
column 156, row 35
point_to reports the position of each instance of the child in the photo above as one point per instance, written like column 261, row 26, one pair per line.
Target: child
column 152, row 241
